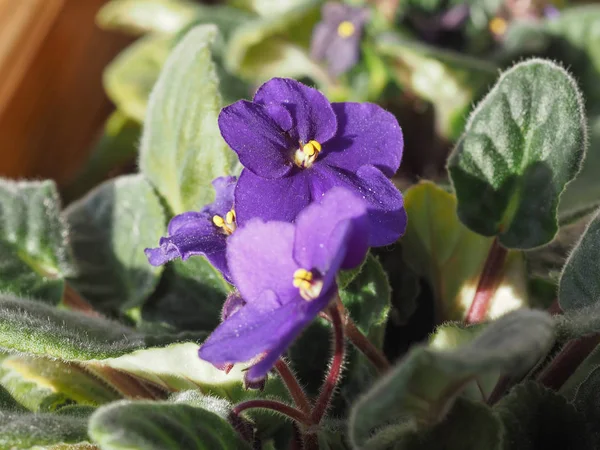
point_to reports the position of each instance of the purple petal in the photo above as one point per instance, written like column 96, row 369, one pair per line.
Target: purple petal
column 272, row 199
column 311, row 112
column 259, row 141
column 367, row 134
column 321, row 225
column 342, row 53
column 385, row 205
column 201, row 221
column 224, row 188
column 260, row 257
column 253, row 330
column 233, row 303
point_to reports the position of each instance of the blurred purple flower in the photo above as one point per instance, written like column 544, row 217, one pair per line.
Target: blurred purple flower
column 286, row 273
column 295, row 146
column 201, row 233
column 336, row 39
column 434, row 28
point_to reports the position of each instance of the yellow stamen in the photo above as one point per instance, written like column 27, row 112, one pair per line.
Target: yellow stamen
column 498, row 26
column 305, row 156
column 228, row 224
column 346, row 29
column 218, row 221
column 309, row 287
column 230, row 217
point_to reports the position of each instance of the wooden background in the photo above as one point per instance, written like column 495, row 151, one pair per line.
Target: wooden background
column 52, row 105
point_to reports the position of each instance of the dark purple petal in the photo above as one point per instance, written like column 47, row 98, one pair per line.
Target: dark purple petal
column 272, row 199
column 311, row 112
column 198, row 222
column 367, row 134
column 224, row 188
column 319, row 228
column 260, row 258
column 252, row 331
column 257, row 138
column 385, row 205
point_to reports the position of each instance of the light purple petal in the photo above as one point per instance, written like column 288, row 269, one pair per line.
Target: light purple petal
column 318, row 231
column 252, row 331
column 260, row 258
column 233, row 303
column 272, row 199
column 367, row 134
column 259, row 141
column 342, row 53
column 311, row 112
column 385, row 205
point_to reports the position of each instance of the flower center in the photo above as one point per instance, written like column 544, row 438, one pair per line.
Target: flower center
column 308, row 284
column 346, row 29
column 306, row 155
column 227, row 224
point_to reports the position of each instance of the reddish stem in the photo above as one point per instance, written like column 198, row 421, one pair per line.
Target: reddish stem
column 488, row 283
column 274, row 405
column 294, row 388
column 335, row 368
column 568, row 359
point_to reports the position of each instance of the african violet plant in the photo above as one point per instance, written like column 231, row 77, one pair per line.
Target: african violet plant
column 264, row 261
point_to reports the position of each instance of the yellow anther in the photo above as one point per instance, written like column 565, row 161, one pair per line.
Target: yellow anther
column 230, row 217
column 498, row 26
column 305, row 156
column 218, row 221
column 346, row 29
column 309, row 287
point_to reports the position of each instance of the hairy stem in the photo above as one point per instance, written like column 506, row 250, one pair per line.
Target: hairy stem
column 276, row 406
column 488, row 283
column 294, row 388
column 335, row 368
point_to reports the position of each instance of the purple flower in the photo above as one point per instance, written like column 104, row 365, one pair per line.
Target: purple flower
column 286, row 274
column 336, row 39
column 201, row 233
column 295, row 146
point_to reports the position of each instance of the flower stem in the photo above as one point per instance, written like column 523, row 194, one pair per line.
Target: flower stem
column 335, row 368
column 294, row 388
column 276, row 406
column 360, row 341
column 490, row 278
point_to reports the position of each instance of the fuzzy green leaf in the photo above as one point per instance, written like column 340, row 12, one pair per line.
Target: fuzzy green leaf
column 579, row 285
column 160, row 425
column 423, row 385
column 535, row 418
column 451, row 257
column 523, row 143
column 110, row 228
column 586, row 401
column 34, row 253
column 182, row 150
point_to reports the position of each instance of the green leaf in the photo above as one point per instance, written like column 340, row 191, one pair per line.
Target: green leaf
column 69, row 379
column 422, row 386
column 586, row 401
column 535, row 418
column 528, row 133
column 468, row 426
column 32, row 327
column 451, row 257
column 34, row 253
column 143, row 16
column 190, row 296
column 130, row 77
column 579, row 285
column 182, row 150
column 268, row 7
column 160, row 425
column 450, row 81
column 275, row 45
column 110, row 228
column 25, row 430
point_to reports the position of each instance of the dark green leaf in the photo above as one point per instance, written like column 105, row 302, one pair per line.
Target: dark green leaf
column 159, row 425
column 537, row 418
column 579, row 284
column 451, row 257
column 523, row 143
column 587, row 402
column 34, row 253
column 423, row 385
column 25, row 430
column 110, row 228
column 182, row 150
